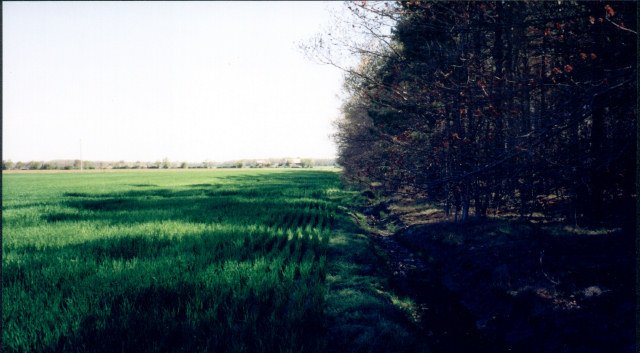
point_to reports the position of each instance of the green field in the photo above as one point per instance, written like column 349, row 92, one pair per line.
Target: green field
column 189, row 261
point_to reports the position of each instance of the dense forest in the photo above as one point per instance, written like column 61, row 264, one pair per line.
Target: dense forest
column 488, row 107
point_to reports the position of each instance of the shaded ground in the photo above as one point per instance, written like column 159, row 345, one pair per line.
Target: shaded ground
column 442, row 321
column 507, row 286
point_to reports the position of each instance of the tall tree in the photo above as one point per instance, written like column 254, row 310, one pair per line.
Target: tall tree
column 488, row 105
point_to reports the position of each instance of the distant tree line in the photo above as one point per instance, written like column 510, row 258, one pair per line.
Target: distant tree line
column 490, row 106
column 167, row 164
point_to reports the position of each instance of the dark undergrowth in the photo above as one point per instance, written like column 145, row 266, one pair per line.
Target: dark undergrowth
column 522, row 286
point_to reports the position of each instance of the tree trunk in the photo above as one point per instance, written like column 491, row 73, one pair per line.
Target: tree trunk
column 596, row 184
column 465, row 204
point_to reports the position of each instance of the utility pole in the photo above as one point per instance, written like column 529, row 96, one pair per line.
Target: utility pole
column 81, row 163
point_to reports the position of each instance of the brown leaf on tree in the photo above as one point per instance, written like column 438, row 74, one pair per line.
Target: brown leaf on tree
column 609, row 10
column 583, row 56
column 493, row 110
column 592, row 20
column 568, row 68
column 593, row 56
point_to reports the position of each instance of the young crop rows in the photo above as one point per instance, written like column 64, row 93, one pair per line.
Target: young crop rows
column 174, row 261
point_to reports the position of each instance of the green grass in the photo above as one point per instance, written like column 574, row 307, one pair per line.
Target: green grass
column 188, row 261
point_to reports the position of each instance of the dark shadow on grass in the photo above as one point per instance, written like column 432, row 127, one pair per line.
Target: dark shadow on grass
column 279, row 200
column 81, row 195
column 199, row 207
column 76, row 194
column 207, row 248
column 61, row 217
column 105, row 204
column 186, row 315
column 154, row 319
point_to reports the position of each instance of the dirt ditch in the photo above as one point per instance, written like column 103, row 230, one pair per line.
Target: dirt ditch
column 497, row 286
column 441, row 319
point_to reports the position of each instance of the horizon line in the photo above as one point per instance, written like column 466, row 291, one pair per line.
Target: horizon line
column 159, row 159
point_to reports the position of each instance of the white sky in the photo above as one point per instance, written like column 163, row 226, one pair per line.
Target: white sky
column 148, row 80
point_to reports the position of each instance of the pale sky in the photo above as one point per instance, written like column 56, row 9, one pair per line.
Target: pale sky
column 149, row 80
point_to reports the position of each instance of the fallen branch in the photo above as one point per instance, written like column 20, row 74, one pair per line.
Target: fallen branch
column 544, row 273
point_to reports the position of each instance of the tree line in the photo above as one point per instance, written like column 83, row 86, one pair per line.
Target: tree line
column 494, row 106
column 168, row 164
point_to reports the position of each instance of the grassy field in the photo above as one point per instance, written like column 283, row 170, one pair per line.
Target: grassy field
column 190, row 261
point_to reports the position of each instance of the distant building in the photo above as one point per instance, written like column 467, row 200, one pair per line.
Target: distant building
column 261, row 163
column 295, row 163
